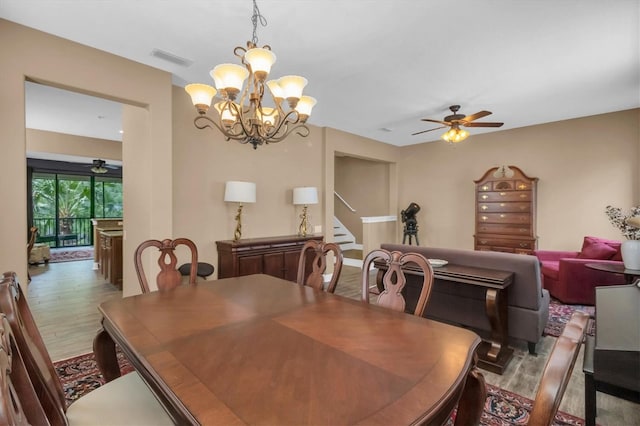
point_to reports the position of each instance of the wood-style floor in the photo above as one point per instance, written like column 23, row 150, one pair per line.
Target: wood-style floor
column 64, row 298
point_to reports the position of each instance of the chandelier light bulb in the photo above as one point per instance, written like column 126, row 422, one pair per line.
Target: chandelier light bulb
column 455, row 134
column 267, row 115
column 227, row 112
column 260, row 60
column 292, row 87
column 304, row 107
column 276, row 90
column 229, row 78
column 201, row 95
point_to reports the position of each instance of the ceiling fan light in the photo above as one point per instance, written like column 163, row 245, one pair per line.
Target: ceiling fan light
column 201, row 95
column 229, row 79
column 260, row 60
column 455, row 135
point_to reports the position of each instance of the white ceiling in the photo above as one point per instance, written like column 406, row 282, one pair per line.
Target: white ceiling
column 372, row 64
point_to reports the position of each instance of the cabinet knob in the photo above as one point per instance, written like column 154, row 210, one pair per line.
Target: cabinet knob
column 524, row 245
column 523, row 195
column 503, row 194
column 484, row 207
column 483, row 241
column 484, row 197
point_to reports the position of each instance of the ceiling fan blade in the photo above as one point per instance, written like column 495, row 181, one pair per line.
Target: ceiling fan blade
column 482, row 124
column 477, row 115
column 444, row 123
column 430, row 130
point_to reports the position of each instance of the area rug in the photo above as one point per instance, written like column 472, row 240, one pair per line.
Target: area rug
column 63, row 255
column 79, row 375
column 559, row 315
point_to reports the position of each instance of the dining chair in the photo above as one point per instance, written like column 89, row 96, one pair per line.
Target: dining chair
column 126, row 400
column 33, row 232
column 394, row 279
column 169, row 276
column 319, row 250
column 557, row 371
column 14, row 381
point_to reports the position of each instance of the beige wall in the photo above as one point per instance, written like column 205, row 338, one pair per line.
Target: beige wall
column 339, row 144
column 60, row 143
column 365, row 186
column 29, row 54
column 203, row 161
column 583, row 165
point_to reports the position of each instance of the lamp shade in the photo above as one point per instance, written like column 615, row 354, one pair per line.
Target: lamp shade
column 305, row 105
column 292, row 86
column 261, row 61
column 229, row 77
column 305, row 195
column 240, row 192
column 201, row 94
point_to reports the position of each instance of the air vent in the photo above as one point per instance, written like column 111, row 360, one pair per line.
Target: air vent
column 170, row 57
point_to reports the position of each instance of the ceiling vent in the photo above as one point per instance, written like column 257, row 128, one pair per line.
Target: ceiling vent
column 170, row 57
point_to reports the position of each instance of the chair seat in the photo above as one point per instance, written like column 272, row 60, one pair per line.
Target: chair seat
column 124, row 401
column 550, row 269
column 203, row 270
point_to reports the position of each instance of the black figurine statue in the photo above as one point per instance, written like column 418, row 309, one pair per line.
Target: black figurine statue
column 410, row 222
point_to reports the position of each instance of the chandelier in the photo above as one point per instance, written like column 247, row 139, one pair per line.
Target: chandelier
column 243, row 114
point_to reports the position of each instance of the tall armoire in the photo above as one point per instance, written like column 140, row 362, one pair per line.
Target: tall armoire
column 506, row 211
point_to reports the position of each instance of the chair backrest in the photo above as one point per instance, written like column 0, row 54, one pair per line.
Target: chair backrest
column 557, row 371
column 319, row 265
column 46, row 382
column 169, row 277
column 33, row 232
column 394, row 279
column 19, row 404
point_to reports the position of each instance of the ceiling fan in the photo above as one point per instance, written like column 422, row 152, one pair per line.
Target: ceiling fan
column 454, row 121
column 100, row 166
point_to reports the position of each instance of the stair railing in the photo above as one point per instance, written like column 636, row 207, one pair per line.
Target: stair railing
column 344, row 202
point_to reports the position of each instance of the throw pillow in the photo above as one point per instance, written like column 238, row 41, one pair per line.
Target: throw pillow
column 600, row 251
column 588, row 240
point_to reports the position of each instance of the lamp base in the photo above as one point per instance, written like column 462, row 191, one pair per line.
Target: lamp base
column 238, row 232
column 303, row 229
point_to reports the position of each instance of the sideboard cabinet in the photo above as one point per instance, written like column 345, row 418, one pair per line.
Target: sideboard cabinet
column 276, row 256
column 506, row 211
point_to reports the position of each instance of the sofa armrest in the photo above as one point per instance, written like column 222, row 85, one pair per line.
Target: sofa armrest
column 554, row 255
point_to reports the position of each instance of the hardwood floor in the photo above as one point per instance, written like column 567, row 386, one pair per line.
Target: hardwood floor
column 64, row 298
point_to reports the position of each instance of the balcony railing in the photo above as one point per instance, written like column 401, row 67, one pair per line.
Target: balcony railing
column 70, row 231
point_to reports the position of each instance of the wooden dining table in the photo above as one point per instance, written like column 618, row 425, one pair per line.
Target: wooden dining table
column 261, row 350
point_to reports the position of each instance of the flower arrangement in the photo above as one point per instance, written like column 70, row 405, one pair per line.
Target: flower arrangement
column 627, row 224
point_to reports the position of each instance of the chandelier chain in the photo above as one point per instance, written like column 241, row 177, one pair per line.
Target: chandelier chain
column 255, row 18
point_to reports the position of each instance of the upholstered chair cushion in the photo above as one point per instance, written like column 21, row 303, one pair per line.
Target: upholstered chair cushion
column 125, row 401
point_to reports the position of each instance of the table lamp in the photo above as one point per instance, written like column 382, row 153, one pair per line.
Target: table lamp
column 304, row 196
column 239, row 192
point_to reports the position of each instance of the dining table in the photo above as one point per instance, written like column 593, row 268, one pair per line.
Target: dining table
column 257, row 349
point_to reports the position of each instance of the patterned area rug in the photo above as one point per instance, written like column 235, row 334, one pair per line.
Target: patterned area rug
column 80, row 375
column 559, row 315
column 69, row 255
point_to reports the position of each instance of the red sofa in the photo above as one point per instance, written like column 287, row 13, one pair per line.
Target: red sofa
column 567, row 278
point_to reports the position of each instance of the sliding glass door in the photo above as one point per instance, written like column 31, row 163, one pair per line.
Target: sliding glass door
column 63, row 206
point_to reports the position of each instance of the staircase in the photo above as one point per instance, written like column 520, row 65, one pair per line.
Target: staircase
column 347, row 242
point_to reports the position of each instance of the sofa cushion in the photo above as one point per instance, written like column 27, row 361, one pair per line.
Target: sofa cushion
column 596, row 250
column 551, row 269
column 600, row 248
